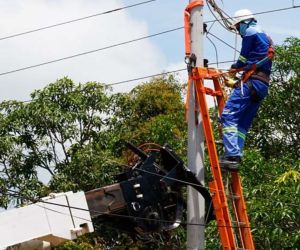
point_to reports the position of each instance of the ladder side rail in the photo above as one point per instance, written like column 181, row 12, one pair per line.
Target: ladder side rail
column 241, row 210
column 220, row 99
column 237, row 222
column 219, row 213
column 220, row 104
column 213, row 156
column 239, row 204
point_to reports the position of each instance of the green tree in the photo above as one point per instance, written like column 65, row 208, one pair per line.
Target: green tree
column 271, row 188
column 271, row 164
column 59, row 131
column 71, row 130
column 277, row 131
column 271, row 167
column 151, row 112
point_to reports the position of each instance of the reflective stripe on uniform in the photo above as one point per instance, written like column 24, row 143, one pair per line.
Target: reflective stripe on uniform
column 241, row 135
column 230, row 130
column 242, row 59
column 234, row 130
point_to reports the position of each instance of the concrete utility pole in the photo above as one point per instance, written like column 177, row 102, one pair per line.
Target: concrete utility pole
column 196, row 203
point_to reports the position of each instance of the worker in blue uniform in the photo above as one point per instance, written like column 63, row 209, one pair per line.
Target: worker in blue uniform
column 244, row 102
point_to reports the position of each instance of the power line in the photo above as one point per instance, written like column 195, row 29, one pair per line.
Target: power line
column 122, row 43
column 17, row 195
column 89, row 52
column 119, row 9
column 216, row 50
column 145, row 77
column 161, row 74
column 149, row 76
column 222, row 40
column 208, row 189
column 75, row 20
column 259, row 13
column 192, row 184
column 184, row 223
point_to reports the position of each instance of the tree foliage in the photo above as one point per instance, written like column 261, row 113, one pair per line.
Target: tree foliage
column 75, row 133
column 271, row 165
column 60, row 132
column 277, row 131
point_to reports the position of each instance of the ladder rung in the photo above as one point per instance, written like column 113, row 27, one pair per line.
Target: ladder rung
column 220, row 206
column 239, row 223
column 233, row 196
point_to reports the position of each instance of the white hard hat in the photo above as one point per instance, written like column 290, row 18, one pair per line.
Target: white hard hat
column 242, row 15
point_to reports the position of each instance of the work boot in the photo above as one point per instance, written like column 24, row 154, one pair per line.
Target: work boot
column 230, row 163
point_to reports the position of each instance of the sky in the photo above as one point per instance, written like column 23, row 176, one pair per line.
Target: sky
column 138, row 59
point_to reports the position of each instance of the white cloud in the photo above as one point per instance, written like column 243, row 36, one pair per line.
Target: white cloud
column 112, row 65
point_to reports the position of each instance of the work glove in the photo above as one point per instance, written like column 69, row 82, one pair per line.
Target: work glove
column 230, row 81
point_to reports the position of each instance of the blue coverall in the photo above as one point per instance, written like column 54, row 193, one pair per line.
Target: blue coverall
column 240, row 109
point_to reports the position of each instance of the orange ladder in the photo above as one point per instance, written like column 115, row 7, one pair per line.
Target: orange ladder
column 234, row 235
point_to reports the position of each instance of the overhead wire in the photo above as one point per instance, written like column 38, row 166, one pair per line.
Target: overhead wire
column 123, row 43
column 149, row 76
column 103, row 213
column 122, row 8
column 183, row 223
column 226, row 21
column 215, row 47
column 89, row 52
column 161, row 74
column 75, row 20
column 207, row 32
column 259, row 13
column 208, row 189
column 198, row 185
column 222, row 40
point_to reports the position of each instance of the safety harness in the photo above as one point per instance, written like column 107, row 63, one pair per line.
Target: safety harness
column 254, row 72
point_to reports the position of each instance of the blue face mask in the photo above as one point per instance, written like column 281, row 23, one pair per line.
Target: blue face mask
column 244, row 26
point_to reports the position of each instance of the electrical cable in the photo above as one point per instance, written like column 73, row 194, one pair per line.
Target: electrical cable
column 119, row 44
column 148, row 76
column 216, row 50
column 116, row 45
column 221, row 40
column 161, row 74
column 118, row 9
column 260, row 13
column 211, row 26
column 75, row 20
column 105, row 213
column 89, row 52
column 192, row 184
column 145, row 77
column 223, row 24
column 183, row 223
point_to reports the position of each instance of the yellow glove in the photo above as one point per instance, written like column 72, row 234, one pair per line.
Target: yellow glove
column 230, row 82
